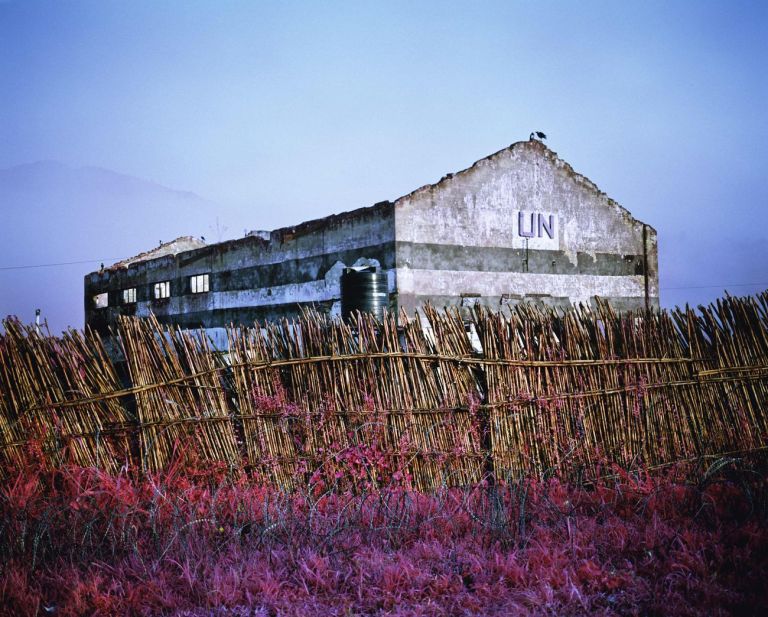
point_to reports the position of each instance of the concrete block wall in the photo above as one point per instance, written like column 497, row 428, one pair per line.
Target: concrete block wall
column 252, row 278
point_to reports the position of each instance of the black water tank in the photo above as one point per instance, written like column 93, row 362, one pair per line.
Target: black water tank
column 365, row 291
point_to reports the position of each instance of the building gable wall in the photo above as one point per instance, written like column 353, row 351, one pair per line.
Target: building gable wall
column 521, row 224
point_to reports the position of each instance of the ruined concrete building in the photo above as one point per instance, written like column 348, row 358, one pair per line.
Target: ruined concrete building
column 518, row 225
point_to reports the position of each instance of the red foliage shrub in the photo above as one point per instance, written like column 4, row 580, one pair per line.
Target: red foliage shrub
column 77, row 541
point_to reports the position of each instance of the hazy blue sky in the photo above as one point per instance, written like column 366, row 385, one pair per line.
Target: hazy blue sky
column 279, row 112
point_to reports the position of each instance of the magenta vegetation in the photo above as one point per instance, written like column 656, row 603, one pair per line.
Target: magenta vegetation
column 77, row 541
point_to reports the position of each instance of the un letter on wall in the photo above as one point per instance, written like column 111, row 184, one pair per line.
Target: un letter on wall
column 537, row 230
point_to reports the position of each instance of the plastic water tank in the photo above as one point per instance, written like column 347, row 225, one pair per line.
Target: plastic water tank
column 363, row 290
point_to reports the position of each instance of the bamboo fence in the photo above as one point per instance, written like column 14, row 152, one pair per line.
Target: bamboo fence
column 543, row 392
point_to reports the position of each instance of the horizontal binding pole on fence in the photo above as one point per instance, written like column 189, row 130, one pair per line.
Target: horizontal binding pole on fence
column 462, row 360
column 508, row 404
column 758, row 372
column 730, row 369
column 469, row 360
column 309, row 456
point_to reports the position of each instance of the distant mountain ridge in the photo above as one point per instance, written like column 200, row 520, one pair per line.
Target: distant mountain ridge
column 55, row 213
column 31, row 176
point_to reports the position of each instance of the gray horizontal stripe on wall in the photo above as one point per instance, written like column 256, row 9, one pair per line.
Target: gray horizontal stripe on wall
column 619, row 303
column 291, row 271
column 294, row 271
column 220, row 318
column 409, row 302
column 425, row 256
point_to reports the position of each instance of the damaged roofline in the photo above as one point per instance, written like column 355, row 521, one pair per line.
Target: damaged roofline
column 577, row 177
column 291, row 231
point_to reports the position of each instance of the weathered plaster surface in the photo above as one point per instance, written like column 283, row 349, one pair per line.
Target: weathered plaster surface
column 174, row 247
column 480, row 206
column 524, row 212
column 296, row 266
column 435, row 282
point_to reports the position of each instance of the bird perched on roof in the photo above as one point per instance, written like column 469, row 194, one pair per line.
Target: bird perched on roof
column 538, row 134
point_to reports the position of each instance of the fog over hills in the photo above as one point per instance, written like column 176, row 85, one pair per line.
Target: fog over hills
column 54, row 214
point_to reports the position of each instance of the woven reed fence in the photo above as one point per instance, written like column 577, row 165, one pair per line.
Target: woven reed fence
column 543, row 392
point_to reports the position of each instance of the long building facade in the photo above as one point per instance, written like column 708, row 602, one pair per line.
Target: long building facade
column 519, row 225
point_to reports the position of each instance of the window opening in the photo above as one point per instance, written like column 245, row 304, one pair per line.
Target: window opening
column 162, row 290
column 101, row 300
column 199, row 283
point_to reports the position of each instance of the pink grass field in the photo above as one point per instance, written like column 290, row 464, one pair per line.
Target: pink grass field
column 77, row 541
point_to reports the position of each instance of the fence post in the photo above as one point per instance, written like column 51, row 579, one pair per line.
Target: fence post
column 484, row 420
